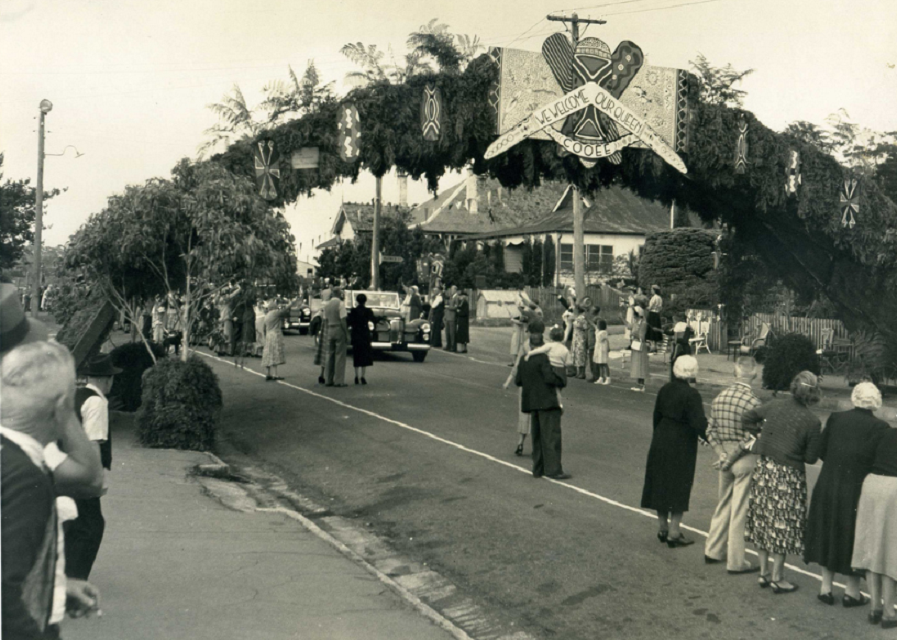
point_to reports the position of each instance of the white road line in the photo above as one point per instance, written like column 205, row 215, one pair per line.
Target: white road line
column 491, row 458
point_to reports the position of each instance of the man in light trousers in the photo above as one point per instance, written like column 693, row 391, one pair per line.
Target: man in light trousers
column 334, row 316
column 729, row 440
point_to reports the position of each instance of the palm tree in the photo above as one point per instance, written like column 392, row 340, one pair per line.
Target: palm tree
column 235, row 122
column 297, row 97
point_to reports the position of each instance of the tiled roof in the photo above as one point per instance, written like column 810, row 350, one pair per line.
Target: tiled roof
column 361, row 215
column 614, row 210
column 334, row 241
column 497, row 207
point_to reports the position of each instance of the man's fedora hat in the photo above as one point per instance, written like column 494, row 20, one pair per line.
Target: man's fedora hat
column 15, row 328
column 100, row 367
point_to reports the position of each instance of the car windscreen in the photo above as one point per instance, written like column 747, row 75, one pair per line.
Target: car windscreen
column 383, row 300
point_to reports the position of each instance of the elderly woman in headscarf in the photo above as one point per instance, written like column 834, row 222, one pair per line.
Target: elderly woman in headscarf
column 777, row 514
column 679, row 421
column 638, row 332
column 847, row 448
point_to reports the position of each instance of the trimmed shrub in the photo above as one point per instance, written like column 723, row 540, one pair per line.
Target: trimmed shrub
column 681, row 262
column 787, row 356
column 133, row 359
column 180, row 405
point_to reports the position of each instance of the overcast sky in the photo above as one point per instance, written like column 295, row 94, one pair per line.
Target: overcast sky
column 130, row 80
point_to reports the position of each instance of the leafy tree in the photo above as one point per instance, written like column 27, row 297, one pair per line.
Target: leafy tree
column 191, row 235
column 535, row 272
column 811, row 134
column 680, row 261
column 17, row 199
column 527, row 259
column 297, row 97
column 236, row 121
column 717, row 84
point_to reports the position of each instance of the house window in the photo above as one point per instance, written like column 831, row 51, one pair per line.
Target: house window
column 566, row 257
column 599, row 258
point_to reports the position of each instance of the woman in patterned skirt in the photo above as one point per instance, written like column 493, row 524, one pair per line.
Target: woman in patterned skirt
column 274, row 353
column 789, row 440
column 580, row 342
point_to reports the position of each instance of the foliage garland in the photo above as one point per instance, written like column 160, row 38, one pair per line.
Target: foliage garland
column 799, row 236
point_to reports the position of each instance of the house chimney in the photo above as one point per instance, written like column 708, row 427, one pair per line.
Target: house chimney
column 472, row 192
column 403, row 188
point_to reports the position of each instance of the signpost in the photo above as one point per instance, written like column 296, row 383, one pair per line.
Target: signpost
column 396, row 259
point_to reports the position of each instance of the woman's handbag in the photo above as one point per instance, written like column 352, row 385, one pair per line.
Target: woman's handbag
column 636, row 345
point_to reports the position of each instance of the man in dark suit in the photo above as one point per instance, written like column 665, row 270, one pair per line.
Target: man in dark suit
column 540, row 399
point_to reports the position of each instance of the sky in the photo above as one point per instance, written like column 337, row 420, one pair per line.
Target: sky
column 130, row 80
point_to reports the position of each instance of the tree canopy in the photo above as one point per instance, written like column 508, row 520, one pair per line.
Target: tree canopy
column 17, row 200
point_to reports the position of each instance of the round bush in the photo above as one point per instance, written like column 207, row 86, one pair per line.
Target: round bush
column 133, row 359
column 180, row 405
column 787, row 356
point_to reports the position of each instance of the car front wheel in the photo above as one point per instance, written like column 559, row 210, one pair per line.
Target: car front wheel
column 419, row 356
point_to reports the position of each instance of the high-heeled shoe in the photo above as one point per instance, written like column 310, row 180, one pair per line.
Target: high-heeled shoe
column 363, row 381
column 777, row 588
column 321, row 380
column 519, row 450
column 356, row 380
column 662, row 536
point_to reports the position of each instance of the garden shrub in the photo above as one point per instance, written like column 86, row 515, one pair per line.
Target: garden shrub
column 133, row 359
column 180, row 405
column 787, row 356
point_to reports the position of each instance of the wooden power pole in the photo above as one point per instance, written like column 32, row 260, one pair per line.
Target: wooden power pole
column 579, row 249
column 375, row 237
column 45, row 107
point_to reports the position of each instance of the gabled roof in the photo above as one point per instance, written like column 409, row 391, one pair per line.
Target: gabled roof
column 614, row 210
column 360, row 216
column 332, row 242
column 497, row 207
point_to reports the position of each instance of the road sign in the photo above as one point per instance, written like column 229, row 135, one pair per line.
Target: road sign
column 391, row 259
column 305, row 158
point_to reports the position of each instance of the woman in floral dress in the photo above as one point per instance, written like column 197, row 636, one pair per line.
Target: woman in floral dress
column 580, row 343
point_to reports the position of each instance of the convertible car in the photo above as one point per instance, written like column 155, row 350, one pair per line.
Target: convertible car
column 391, row 332
column 301, row 314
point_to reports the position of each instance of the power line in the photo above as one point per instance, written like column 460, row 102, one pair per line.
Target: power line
column 672, row 6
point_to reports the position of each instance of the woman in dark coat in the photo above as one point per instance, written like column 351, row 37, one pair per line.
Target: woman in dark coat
column 847, row 448
column 678, row 422
column 359, row 320
column 462, row 318
column 437, row 313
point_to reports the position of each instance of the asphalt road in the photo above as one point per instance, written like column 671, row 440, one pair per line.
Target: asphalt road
column 424, row 455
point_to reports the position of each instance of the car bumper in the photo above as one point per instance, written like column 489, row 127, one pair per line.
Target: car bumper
column 302, row 324
column 389, row 346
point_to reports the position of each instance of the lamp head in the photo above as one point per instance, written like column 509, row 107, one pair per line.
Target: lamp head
column 46, row 106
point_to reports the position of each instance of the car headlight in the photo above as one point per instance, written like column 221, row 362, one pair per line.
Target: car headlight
column 371, row 326
column 425, row 327
column 306, row 312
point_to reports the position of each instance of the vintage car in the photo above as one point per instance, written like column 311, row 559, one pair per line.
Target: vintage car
column 301, row 314
column 391, row 332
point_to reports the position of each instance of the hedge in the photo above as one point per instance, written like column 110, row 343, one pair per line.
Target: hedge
column 133, row 359
column 180, row 405
column 787, row 356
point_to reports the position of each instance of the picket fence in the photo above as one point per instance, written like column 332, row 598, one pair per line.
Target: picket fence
column 605, row 297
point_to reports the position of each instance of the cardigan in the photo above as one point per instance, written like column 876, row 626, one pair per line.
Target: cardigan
column 790, row 434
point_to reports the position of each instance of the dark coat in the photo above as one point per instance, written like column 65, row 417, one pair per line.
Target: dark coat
column 415, row 306
column 462, row 319
column 357, row 320
column 540, row 383
column 435, row 318
column 847, row 447
column 678, row 421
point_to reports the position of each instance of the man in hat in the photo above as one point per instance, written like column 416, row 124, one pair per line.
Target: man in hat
column 540, row 399
column 84, row 534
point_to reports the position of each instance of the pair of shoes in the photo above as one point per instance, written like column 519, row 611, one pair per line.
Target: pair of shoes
column 738, row 572
column 267, row 378
column 763, row 580
column 363, row 381
column 561, row 476
column 606, row 381
column 709, row 560
column 519, row 450
column 681, row 541
column 599, row 381
column 662, row 536
column 826, row 598
column 778, row 588
column 888, row 623
column 356, row 380
column 850, row 602
column 875, row 616
column 321, row 380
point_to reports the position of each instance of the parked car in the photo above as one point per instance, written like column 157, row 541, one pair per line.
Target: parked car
column 301, row 314
column 391, row 332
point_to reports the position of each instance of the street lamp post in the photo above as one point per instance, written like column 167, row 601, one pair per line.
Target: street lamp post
column 45, row 107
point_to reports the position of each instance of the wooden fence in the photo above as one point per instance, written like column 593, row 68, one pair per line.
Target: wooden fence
column 552, row 309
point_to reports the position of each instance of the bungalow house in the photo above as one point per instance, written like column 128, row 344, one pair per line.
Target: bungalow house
column 616, row 222
column 355, row 220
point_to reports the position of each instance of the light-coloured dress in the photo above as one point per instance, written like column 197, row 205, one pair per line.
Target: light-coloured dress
column 640, row 368
column 580, row 341
column 273, row 354
column 602, row 347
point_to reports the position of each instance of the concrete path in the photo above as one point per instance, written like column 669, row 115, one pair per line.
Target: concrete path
column 175, row 563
